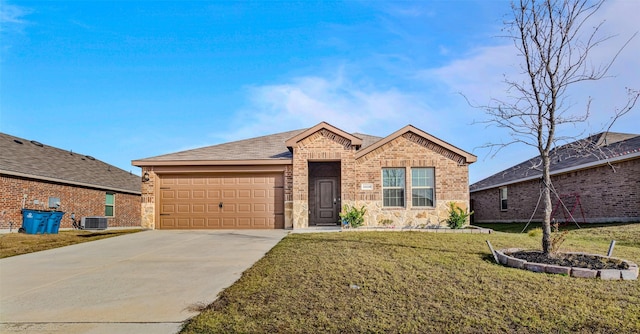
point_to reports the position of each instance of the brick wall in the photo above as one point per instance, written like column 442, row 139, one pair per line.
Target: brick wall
column 607, row 195
column 323, row 145
column 407, row 151
column 79, row 200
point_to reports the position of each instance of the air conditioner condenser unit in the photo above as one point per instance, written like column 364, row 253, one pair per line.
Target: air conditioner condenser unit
column 94, row 223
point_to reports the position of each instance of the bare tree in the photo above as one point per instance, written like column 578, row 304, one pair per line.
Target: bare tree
column 554, row 41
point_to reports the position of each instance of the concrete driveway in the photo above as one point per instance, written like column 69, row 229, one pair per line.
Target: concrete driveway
column 138, row 283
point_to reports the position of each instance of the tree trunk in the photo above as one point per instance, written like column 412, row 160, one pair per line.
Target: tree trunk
column 548, row 207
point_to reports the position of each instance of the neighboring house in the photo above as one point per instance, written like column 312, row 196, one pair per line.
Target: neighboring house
column 597, row 179
column 38, row 176
column 303, row 178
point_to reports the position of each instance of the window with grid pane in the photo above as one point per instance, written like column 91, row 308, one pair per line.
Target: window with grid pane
column 422, row 184
column 109, row 205
column 393, row 187
column 503, row 199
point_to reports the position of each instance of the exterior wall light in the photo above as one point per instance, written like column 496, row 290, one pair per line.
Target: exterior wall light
column 145, row 177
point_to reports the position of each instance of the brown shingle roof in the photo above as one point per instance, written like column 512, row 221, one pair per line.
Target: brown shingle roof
column 589, row 151
column 21, row 157
column 270, row 147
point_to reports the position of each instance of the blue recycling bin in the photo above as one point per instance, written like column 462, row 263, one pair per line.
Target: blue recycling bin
column 53, row 223
column 34, row 221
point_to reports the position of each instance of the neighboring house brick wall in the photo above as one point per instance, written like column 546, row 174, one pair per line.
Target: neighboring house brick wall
column 607, row 194
column 451, row 182
column 80, row 200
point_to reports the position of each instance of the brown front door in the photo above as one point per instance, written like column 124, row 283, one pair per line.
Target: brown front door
column 327, row 204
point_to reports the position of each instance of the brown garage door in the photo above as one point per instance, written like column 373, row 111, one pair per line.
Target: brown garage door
column 221, row 201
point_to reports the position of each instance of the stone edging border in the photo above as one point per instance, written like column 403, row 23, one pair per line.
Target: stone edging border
column 473, row 230
column 604, row 274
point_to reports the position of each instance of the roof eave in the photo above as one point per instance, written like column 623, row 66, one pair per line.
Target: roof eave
column 146, row 163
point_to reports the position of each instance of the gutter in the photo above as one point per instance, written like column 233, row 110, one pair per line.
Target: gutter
column 51, row 179
column 564, row 170
column 145, row 163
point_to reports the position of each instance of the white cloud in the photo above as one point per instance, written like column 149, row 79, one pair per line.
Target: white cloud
column 12, row 16
column 305, row 101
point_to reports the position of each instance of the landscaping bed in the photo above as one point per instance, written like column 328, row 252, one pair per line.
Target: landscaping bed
column 588, row 261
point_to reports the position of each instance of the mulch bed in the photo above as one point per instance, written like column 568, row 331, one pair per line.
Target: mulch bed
column 572, row 260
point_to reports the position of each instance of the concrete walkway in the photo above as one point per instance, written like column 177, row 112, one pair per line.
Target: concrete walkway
column 138, row 283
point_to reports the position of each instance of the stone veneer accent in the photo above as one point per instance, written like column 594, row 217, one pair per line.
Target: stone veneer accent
column 148, row 199
column 604, row 274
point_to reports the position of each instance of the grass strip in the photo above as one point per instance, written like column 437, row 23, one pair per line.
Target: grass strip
column 12, row 244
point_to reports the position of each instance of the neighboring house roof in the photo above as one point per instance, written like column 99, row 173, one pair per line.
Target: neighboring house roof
column 274, row 149
column 32, row 159
column 596, row 150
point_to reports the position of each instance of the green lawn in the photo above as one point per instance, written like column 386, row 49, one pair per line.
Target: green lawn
column 414, row 282
column 12, row 244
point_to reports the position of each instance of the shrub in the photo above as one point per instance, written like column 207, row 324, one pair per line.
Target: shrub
column 353, row 216
column 457, row 216
column 535, row 232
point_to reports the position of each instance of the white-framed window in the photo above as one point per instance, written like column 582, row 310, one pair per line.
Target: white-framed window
column 393, row 181
column 503, row 199
column 422, row 185
column 110, row 204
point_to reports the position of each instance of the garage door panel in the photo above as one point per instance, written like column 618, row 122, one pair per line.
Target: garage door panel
column 228, row 194
column 244, row 222
column 249, row 201
column 261, row 208
column 198, row 208
column 183, row 181
column 244, row 208
column 229, row 208
column 260, row 194
column 183, row 208
column 214, row 194
column 183, row 223
column 167, row 208
column 213, row 208
column 167, row 194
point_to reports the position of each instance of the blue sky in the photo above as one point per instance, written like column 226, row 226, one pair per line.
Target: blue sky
column 123, row 80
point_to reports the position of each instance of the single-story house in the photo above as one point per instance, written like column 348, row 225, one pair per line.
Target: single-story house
column 41, row 177
column 303, row 178
column 595, row 179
